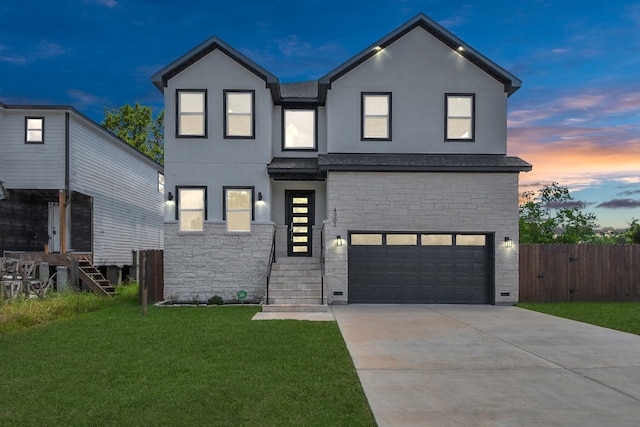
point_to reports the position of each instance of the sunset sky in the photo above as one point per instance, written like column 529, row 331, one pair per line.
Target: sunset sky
column 576, row 117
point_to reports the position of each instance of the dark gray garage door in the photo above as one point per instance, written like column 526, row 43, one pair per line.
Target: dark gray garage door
column 422, row 268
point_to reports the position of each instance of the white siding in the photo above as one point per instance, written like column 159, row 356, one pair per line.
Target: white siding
column 418, row 70
column 33, row 166
column 127, row 206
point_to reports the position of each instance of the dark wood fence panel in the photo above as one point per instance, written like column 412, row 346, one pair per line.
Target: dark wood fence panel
column 565, row 273
column 151, row 274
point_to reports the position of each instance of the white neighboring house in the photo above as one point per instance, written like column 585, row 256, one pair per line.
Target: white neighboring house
column 385, row 181
column 75, row 188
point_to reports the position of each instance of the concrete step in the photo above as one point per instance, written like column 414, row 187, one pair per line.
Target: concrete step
column 295, row 301
column 295, row 267
column 312, row 281
column 296, row 272
column 298, row 260
column 295, row 286
column 307, row 308
column 290, row 293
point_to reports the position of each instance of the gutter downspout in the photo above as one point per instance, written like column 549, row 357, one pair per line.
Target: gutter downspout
column 64, row 196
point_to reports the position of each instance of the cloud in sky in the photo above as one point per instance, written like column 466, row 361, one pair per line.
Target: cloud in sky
column 458, row 19
column 293, row 58
column 579, row 139
column 629, row 193
column 107, row 3
column 42, row 50
column 620, row 204
column 574, row 204
column 83, row 99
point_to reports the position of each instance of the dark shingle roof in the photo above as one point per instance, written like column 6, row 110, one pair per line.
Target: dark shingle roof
column 422, row 162
column 299, row 90
column 295, row 168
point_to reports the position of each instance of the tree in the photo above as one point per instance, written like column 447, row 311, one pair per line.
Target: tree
column 550, row 215
column 137, row 126
column 633, row 233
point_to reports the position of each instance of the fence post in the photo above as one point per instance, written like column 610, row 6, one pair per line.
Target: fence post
column 143, row 280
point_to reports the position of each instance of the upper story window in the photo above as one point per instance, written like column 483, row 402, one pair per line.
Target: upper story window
column 376, row 116
column 191, row 113
column 460, row 120
column 239, row 108
column 238, row 208
column 160, row 182
column 192, row 208
column 299, row 129
column 34, row 130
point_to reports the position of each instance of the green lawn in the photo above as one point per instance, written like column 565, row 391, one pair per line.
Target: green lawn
column 196, row 366
column 623, row 316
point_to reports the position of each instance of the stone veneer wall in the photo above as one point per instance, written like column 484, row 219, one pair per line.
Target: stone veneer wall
column 216, row 262
column 432, row 202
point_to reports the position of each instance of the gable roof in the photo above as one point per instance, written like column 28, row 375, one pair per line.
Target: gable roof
column 161, row 78
column 511, row 83
column 316, row 91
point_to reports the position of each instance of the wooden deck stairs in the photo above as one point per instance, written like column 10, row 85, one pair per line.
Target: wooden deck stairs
column 92, row 278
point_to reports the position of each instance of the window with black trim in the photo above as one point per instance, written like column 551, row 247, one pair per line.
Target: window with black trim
column 460, row 117
column 299, row 129
column 238, row 209
column 191, row 113
column 376, row 116
column 192, row 208
column 34, row 130
column 239, row 110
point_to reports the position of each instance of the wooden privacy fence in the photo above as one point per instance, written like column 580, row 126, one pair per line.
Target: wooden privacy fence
column 566, row 273
column 151, row 274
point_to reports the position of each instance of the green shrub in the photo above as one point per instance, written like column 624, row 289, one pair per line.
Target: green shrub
column 215, row 300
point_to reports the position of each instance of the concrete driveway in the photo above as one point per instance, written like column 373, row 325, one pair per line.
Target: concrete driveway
column 455, row 365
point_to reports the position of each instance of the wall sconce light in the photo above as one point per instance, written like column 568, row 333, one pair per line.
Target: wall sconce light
column 339, row 241
column 508, row 243
column 259, row 196
column 170, row 196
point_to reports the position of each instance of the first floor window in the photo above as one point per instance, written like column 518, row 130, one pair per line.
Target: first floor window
column 191, row 113
column 460, row 122
column 34, row 130
column 191, row 211
column 376, row 116
column 239, row 110
column 299, row 129
column 238, row 208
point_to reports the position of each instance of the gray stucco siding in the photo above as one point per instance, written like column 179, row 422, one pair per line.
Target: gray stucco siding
column 418, row 70
column 215, row 161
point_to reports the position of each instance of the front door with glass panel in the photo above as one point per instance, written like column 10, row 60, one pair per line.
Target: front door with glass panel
column 299, row 216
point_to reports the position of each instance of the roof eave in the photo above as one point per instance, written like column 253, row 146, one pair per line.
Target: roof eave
column 161, row 78
column 511, row 83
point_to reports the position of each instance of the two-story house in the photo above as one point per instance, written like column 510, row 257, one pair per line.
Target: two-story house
column 387, row 179
column 73, row 189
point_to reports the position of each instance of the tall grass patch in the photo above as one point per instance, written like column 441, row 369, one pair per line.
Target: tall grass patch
column 27, row 312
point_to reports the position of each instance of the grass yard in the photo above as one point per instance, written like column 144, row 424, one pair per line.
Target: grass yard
column 196, row 366
column 623, row 316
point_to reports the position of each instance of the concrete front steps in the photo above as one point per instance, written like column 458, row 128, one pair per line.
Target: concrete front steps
column 295, row 285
